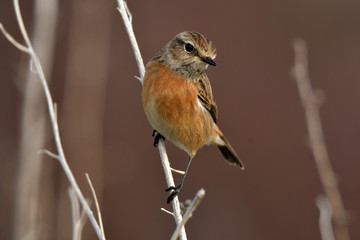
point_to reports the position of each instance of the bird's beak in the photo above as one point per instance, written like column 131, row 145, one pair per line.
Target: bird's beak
column 209, row 61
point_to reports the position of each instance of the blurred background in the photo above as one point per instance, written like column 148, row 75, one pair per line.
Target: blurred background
column 90, row 66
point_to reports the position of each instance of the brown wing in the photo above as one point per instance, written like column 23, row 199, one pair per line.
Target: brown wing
column 205, row 96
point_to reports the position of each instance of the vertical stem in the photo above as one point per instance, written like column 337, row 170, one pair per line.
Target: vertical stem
column 164, row 159
column 28, row 220
column 54, row 123
column 170, row 182
column 310, row 102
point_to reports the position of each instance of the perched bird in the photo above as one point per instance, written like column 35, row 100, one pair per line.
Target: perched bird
column 178, row 100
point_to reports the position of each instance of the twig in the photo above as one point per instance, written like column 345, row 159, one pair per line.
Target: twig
column 12, row 40
column 30, row 184
column 177, row 171
column 124, row 11
column 96, row 204
column 78, row 219
column 195, row 202
column 170, row 182
column 127, row 19
column 310, row 102
column 53, row 119
column 325, row 225
column 50, row 154
column 167, row 211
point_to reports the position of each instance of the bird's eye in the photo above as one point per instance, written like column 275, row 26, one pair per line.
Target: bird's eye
column 188, row 47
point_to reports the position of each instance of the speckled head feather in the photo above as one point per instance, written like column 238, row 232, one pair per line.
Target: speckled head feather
column 188, row 53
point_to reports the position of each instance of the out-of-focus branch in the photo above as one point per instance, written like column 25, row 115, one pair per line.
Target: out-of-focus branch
column 311, row 100
column 127, row 18
column 188, row 214
column 53, row 119
column 28, row 222
column 325, row 223
column 78, row 215
column 96, row 204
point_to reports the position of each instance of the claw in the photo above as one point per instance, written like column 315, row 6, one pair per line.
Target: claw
column 172, row 196
column 174, row 193
column 177, row 189
column 157, row 138
column 170, row 188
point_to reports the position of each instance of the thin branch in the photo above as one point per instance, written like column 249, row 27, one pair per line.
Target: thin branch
column 310, row 102
column 12, row 40
column 325, row 225
column 50, row 154
column 96, row 204
column 56, row 111
column 124, row 11
column 30, row 185
column 188, row 214
column 167, row 211
column 170, row 182
column 78, row 219
column 177, row 171
column 54, row 123
column 127, row 18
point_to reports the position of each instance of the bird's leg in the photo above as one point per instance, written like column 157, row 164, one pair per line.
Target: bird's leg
column 157, row 137
column 176, row 190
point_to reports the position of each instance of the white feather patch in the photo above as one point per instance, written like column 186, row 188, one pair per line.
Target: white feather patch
column 218, row 141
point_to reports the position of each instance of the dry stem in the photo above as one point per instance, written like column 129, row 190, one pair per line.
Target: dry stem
column 311, row 101
column 96, row 204
column 325, row 224
column 78, row 216
column 127, row 18
column 188, row 214
column 27, row 48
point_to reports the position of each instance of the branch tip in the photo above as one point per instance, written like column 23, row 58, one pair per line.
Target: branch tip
column 13, row 41
column 47, row 152
column 27, row 48
column 167, row 211
column 96, row 204
column 177, row 171
column 193, row 205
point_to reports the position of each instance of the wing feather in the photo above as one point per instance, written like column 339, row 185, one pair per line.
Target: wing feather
column 206, row 97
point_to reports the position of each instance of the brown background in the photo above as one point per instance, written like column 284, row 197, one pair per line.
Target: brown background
column 106, row 134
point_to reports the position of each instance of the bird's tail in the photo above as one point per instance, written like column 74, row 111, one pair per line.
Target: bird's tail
column 226, row 150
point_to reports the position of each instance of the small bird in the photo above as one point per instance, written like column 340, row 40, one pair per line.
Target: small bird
column 178, row 100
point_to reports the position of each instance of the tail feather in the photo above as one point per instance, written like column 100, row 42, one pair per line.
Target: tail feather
column 229, row 153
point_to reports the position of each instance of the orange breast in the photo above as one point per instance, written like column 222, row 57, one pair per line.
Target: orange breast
column 172, row 108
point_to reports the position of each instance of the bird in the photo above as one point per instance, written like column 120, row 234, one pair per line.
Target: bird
column 178, row 101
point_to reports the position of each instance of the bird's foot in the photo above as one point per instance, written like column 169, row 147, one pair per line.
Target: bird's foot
column 174, row 193
column 157, row 136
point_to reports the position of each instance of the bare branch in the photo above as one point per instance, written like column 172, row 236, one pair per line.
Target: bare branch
column 188, row 214
column 310, row 102
column 170, row 182
column 127, row 18
column 168, row 212
column 96, row 204
column 47, row 152
column 124, row 11
column 78, row 219
column 12, row 40
column 54, row 123
column 30, row 187
column 177, row 171
column 325, row 224
column 56, row 111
